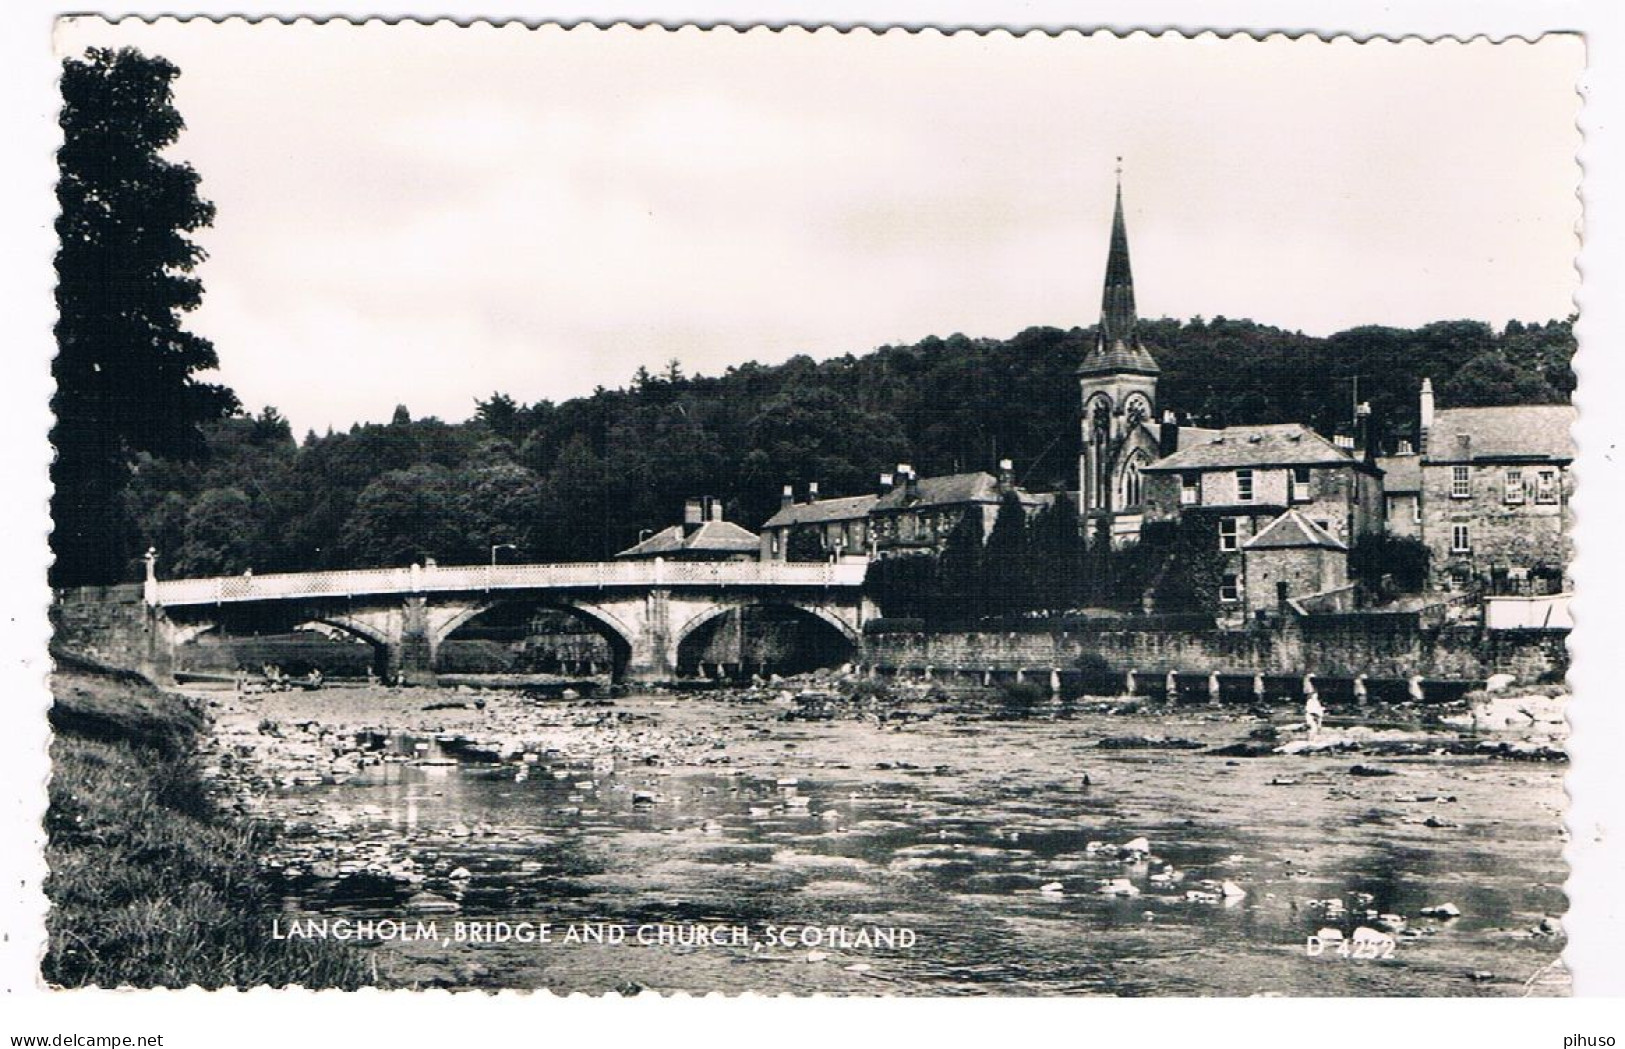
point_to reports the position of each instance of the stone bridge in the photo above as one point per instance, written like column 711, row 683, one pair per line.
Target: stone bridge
column 644, row 608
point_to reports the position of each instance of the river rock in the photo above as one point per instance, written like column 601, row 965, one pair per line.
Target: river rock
column 430, row 903
column 1118, row 887
column 1149, row 743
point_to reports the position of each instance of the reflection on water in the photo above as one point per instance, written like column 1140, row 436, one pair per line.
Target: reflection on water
column 990, row 841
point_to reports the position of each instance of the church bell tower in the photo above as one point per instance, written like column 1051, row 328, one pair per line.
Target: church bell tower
column 1118, row 380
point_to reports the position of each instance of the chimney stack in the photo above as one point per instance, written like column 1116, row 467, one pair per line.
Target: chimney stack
column 693, row 515
column 713, row 508
column 1168, row 435
column 1426, row 420
column 885, row 483
column 1007, row 475
column 812, row 492
column 911, row 482
column 1364, row 439
column 787, row 498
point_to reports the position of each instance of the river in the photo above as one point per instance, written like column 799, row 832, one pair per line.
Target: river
column 973, row 849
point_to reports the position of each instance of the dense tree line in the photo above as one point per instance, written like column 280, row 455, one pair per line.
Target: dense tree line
column 580, row 479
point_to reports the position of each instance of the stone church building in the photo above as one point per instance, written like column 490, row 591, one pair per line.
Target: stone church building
column 1121, row 432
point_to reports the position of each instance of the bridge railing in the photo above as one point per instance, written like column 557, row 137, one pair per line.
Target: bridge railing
column 420, row 579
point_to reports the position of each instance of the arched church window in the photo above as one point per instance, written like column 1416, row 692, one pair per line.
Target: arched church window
column 1132, row 482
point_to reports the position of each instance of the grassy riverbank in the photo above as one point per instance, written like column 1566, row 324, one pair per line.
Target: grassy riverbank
column 152, row 883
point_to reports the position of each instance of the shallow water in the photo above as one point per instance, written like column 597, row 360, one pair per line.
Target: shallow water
column 952, row 831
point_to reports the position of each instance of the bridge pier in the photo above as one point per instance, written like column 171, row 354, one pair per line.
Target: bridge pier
column 412, row 656
column 651, row 661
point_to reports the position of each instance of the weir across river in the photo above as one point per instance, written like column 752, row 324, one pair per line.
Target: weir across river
column 645, row 609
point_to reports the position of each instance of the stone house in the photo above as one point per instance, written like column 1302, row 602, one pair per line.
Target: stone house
column 1495, row 495
column 918, row 514
column 1292, row 557
column 1402, row 493
column 1241, row 479
column 841, row 525
column 703, row 536
column 1251, row 475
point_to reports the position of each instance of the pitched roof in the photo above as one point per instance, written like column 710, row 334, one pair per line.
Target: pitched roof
column 1523, row 431
column 948, row 490
column 1293, row 531
column 1401, row 473
column 1283, row 444
column 845, row 508
column 1186, row 436
column 719, row 537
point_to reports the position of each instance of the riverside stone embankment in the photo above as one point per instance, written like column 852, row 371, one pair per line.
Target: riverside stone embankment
column 1382, row 647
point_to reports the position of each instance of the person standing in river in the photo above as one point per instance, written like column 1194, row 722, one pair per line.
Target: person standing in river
column 1314, row 714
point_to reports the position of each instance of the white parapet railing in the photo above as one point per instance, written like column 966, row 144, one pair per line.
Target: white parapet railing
column 419, row 579
column 1550, row 612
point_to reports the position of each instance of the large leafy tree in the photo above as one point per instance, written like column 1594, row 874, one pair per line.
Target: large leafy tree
column 125, row 368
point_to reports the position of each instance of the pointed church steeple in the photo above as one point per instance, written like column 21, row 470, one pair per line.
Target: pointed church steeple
column 1117, row 346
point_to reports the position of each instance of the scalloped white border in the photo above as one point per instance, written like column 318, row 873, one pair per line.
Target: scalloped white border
column 1596, row 920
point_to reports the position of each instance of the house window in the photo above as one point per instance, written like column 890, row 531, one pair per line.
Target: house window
column 1229, row 590
column 775, row 544
column 1229, row 533
column 1546, row 486
column 1190, row 489
column 1461, row 483
column 1244, row 486
column 1301, row 476
column 1514, row 485
column 1460, row 541
column 1416, row 509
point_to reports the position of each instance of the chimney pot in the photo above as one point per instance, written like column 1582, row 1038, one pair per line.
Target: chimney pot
column 787, row 498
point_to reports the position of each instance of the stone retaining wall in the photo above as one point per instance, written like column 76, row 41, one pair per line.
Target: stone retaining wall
column 111, row 624
column 1392, row 647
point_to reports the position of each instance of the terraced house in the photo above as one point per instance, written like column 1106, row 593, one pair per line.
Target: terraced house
column 1494, row 497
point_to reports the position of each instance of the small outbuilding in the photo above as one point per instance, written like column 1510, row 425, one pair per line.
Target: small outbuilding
column 1292, row 557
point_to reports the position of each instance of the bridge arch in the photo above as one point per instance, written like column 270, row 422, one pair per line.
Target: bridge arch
column 227, row 638
column 691, row 633
column 616, row 633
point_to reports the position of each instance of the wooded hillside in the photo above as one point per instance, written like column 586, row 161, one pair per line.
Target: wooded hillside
column 578, row 480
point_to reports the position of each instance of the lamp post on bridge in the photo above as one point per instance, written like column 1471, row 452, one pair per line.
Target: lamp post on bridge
column 500, row 546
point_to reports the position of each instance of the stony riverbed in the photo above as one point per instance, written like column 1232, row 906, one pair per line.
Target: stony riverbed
column 1087, row 847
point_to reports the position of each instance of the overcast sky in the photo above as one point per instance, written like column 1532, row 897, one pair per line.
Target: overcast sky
column 424, row 215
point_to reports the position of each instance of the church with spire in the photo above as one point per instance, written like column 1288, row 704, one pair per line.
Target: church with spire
column 1118, row 380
